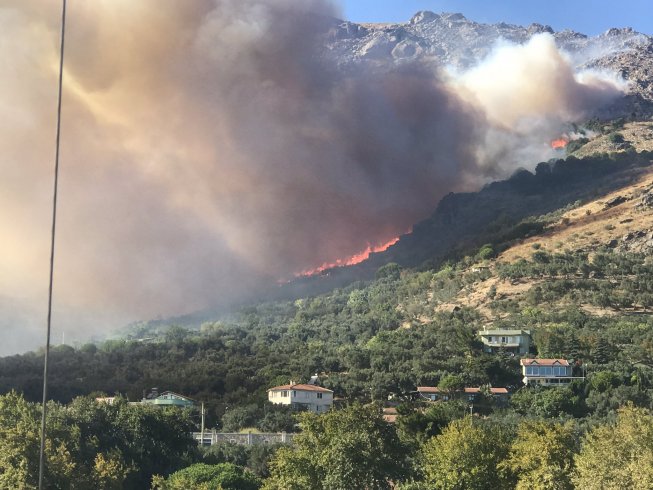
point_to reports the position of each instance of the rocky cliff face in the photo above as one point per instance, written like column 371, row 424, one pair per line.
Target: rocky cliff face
column 450, row 39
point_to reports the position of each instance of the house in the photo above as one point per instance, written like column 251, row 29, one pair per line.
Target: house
column 109, row 400
column 390, row 414
column 547, row 372
column 502, row 340
column 433, row 393
column 167, row 398
column 302, row 397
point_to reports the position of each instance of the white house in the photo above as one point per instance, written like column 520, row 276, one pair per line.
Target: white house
column 302, row 397
column 547, row 372
column 502, row 340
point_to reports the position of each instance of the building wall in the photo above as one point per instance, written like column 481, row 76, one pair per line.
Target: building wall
column 243, row 439
column 312, row 400
column 493, row 341
column 547, row 375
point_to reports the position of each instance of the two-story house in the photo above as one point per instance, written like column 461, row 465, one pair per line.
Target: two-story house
column 547, row 372
column 502, row 340
column 302, row 397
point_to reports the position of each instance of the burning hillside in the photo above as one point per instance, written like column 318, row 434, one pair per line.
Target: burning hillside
column 352, row 260
column 256, row 139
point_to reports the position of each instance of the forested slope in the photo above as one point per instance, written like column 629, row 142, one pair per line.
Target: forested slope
column 409, row 327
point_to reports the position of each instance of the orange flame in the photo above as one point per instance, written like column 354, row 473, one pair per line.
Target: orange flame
column 559, row 144
column 353, row 260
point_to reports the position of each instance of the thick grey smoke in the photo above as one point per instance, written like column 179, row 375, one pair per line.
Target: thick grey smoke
column 213, row 146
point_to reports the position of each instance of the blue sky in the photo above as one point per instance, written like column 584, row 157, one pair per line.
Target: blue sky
column 587, row 16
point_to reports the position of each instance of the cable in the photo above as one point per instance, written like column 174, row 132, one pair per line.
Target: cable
column 54, row 227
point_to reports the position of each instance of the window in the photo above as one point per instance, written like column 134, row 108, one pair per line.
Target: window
column 284, row 394
column 489, row 339
column 319, row 395
column 294, row 393
column 504, row 340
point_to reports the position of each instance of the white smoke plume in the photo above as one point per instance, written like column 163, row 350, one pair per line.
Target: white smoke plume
column 212, row 147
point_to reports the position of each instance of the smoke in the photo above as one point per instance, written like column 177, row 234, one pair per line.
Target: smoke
column 212, row 147
column 529, row 94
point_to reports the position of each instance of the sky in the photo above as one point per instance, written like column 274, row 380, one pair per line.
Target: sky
column 590, row 17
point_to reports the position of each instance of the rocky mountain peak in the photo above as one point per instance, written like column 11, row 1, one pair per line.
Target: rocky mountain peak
column 450, row 39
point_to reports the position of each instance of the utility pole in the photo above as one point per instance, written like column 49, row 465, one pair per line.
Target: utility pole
column 42, row 461
column 202, row 429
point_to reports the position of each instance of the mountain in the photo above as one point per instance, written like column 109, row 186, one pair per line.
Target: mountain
column 452, row 40
column 463, row 222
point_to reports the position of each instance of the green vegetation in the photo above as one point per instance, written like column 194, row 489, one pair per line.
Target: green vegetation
column 350, row 448
column 200, row 476
column 372, row 343
column 92, row 445
column 466, row 455
column 96, row 445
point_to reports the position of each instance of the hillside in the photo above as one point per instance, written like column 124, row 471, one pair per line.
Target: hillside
column 558, row 252
column 619, row 220
column 463, row 221
column 415, row 255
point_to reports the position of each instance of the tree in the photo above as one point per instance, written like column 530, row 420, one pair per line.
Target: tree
column 602, row 352
column 391, row 270
column 486, row 252
column 340, row 450
column 465, row 456
column 541, row 456
column 70, row 462
column 619, row 455
column 415, row 426
column 200, row 476
column 602, row 381
column 572, row 347
column 277, row 418
column 451, row 383
column 546, row 402
column 238, row 418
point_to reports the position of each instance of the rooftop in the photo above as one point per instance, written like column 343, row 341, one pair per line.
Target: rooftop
column 504, row 332
column 300, row 387
column 544, row 362
column 435, row 389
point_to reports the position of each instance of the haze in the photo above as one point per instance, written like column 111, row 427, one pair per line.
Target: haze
column 211, row 148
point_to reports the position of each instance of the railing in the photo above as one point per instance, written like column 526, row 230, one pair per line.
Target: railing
column 243, row 439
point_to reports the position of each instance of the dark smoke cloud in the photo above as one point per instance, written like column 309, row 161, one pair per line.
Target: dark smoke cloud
column 210, row 147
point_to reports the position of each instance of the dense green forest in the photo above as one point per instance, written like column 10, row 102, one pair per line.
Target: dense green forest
column 102, row 446
column 371, row 342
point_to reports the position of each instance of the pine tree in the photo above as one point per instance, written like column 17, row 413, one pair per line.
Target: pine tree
column 601, row 354
column 572, row 347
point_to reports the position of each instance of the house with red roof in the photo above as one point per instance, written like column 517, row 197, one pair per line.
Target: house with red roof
column 302, row 397
column 547, row 372
column 433, row 393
